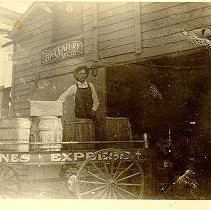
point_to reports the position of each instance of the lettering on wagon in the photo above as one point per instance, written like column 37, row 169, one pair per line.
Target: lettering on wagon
column 14, row 158
column 81, row 156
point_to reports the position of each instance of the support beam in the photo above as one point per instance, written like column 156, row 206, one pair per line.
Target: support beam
column 138, row 27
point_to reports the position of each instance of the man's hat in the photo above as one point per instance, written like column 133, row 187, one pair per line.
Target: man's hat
column 78, row 69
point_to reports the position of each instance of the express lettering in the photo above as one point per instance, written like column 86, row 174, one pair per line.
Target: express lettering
column 80, row 156
column 110, row 156
column 63, row 157
column 76, row 156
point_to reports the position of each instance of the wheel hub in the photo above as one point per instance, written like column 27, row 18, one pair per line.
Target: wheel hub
column 111, row 183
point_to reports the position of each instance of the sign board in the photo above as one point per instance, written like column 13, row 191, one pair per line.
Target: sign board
column 62, row 51
column 61, row 157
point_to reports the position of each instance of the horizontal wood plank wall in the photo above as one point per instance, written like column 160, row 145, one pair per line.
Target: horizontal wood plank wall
column 162, row 25
column 116, row 30
column 160, row 30
column 35, row 35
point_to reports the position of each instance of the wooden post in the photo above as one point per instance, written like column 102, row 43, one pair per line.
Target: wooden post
column 137, row 20
column 12, row 95
column 152, row 171
column 95, row 28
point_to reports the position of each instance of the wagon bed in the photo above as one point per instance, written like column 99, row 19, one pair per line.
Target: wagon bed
column 104, row 169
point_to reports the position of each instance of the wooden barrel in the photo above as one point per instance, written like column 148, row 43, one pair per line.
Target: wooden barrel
column 14, row 134
column 46, row 130
column 81, row 130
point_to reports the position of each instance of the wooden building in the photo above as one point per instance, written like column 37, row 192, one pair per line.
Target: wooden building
column 7, row 21
column 126, row 45
column 123, row 42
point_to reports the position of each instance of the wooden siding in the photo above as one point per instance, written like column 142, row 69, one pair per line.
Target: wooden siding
column 32, row 35
column 34, row 81
column 111, row 36
column 161, row 26
column 163, row 23
column 116, row 29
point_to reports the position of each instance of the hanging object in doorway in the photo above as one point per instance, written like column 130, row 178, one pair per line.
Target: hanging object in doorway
column 203, row 41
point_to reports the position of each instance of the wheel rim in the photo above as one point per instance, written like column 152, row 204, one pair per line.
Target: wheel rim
column 9, row 182
column 114, row 175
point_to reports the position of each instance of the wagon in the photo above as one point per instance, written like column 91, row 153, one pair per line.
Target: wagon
column 99, row 169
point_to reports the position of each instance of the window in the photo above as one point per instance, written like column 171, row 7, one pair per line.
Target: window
column 67, row 20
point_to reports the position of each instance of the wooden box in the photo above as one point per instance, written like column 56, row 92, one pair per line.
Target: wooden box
column 80, row 130
column 115, row 129
column 46, row 108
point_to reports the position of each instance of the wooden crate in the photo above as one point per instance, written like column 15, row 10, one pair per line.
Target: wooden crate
column 46, row 108
column 115, row 129
column 80, row 130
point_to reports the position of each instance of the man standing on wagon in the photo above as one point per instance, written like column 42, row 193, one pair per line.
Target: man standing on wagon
column 84, row 94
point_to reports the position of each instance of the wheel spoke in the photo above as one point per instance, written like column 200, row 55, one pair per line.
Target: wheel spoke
column 98, row 168
column 112, row 164
column 127, row 177
column 129, row 184
column 122, row 172
column 113, row 193
column 104, row 196
column 100, row 193
column 106, row 169
column 90, row 182
column 94, row 175
column 90, row 191
column 10, row 177
column 119, row 194
column 9, row 185
column 117, row 170
column 109, row 193
column 105, row 178
column 4, row 175
column 129, row 193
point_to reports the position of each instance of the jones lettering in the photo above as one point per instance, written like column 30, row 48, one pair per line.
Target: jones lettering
column 15, row 158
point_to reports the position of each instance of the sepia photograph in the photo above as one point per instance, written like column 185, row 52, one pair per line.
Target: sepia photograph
column 105, row 100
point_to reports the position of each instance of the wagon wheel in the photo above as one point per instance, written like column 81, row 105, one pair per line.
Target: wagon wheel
column 110, row 174
column 9, row 182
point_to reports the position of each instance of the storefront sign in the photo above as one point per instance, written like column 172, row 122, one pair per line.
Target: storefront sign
column 61, row 52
